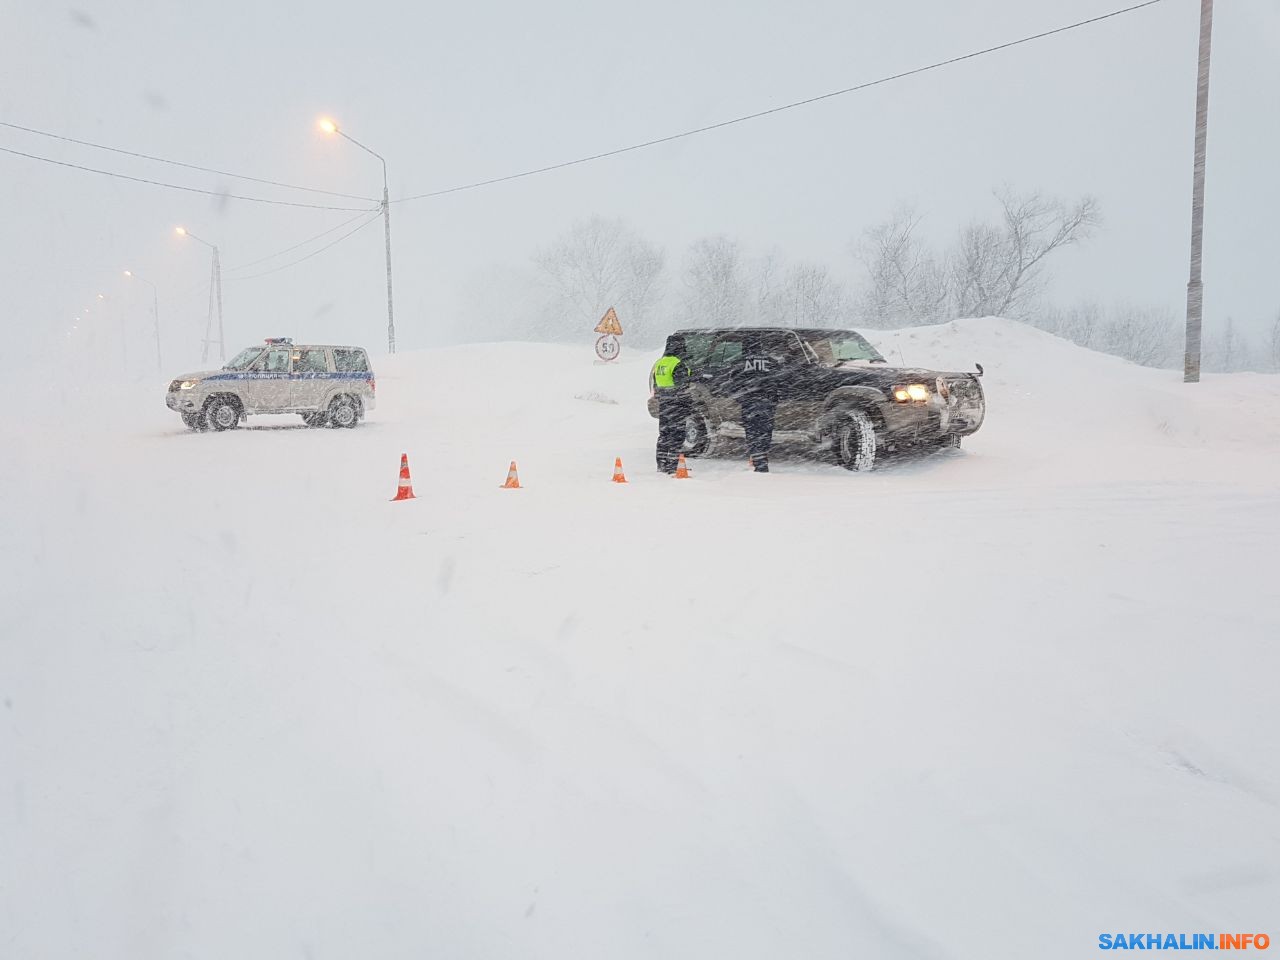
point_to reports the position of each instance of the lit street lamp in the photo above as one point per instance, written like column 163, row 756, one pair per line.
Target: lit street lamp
column 155, row 313
column 330, row 126
column 215, row 285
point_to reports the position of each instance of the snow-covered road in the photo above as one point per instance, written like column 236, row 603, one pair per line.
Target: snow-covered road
column 989, row 703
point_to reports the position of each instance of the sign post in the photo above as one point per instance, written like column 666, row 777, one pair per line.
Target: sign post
column 608, row 347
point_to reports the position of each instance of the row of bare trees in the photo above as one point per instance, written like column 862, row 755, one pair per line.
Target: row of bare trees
column 602, row 262
column 993, row 269
column 1154, row 337
column 997, row 267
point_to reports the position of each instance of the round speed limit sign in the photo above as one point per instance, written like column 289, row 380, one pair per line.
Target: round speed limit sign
column 608, row 348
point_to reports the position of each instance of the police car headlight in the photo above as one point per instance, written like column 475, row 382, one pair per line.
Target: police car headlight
column 187, row 384
column 911, row 393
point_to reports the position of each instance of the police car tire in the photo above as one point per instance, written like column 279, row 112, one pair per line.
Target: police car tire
column 193, row 421
column 855, row 441
column 314, row 419
column 343, row 412
column 221, row 414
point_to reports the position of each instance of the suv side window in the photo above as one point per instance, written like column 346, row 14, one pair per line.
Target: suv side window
column 785, row 348
column 273, row 361
column 350, row 361
column 697, row 346
column 724, row 353
column 310, row 361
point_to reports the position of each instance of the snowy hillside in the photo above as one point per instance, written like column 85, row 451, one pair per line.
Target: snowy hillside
column 988, row 703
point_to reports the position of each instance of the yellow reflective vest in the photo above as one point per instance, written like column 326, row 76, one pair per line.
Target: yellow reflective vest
column 664, row 372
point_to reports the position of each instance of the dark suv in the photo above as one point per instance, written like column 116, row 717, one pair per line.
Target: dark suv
column 834, row 389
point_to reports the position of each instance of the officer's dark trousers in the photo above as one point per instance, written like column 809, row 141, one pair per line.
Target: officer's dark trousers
column 673, row 410
column 757, row 422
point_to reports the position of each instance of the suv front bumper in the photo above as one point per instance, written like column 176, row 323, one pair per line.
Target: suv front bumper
column 182, row 401
column 936, row 419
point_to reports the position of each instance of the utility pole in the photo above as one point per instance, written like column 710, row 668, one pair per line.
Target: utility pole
column 215, row 299
column 386, row 223
column 217, row 273
column 215, row 308
column 208, row 317
column 1195, row 289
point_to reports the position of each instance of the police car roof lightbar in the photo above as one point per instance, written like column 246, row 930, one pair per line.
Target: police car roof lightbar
column 288, row 340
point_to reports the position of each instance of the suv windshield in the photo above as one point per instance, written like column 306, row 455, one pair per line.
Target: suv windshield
column 242, row 359
column 841, row 345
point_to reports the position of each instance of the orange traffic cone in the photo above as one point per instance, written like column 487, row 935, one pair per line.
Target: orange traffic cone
column 618, row 475
column 513, row 479
column 682, row 469
column 404, row 490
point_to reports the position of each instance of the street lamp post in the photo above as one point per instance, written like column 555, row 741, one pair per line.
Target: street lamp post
column 215, row 286
column 330, row 126
column 155, row 314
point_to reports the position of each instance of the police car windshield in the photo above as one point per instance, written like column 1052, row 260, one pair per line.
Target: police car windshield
column 840, row 346
column 242, row 359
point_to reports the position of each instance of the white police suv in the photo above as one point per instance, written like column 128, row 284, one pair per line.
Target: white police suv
column 327, row 385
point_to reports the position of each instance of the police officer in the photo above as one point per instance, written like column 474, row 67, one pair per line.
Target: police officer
column 671, row 385
column 755, row 387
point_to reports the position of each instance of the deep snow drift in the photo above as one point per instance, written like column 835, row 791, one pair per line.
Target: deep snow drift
column 988, row 703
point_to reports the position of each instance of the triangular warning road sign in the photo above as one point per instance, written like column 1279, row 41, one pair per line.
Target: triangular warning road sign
column 609, row 323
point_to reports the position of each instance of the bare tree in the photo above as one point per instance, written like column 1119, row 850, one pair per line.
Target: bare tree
column 905, row 286
column 717, row 289
column 1230, row 352
column 995, row 269
column 1082, row 324
column 1146, row 335
column 600, row 263
column 766, row 284
column 810, row 297
column 1151, row 336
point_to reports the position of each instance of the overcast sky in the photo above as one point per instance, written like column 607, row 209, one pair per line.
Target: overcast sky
column 452, row 93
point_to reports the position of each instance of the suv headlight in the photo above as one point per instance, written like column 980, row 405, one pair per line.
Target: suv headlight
column 187, row 384
column 911, row 393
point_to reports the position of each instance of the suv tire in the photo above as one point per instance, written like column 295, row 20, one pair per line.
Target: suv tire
column 222, row 413
column 193, row 421
column 854, row 441
column 699, row 439
column 343, row 412
column 315, row 419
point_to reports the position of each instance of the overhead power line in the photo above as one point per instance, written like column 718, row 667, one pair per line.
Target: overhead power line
column 178, row 163
column 174, row 186
column 303, row 243
column 244, row 266
column 779, row 109
column 377, row 215
column 279, row 253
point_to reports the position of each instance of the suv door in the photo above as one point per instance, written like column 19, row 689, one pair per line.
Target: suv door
column 310, row 380
column 716, row 375
column 789, row 355
column 266, row 387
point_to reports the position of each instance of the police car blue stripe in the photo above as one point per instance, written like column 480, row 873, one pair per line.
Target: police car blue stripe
column 247, row 375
